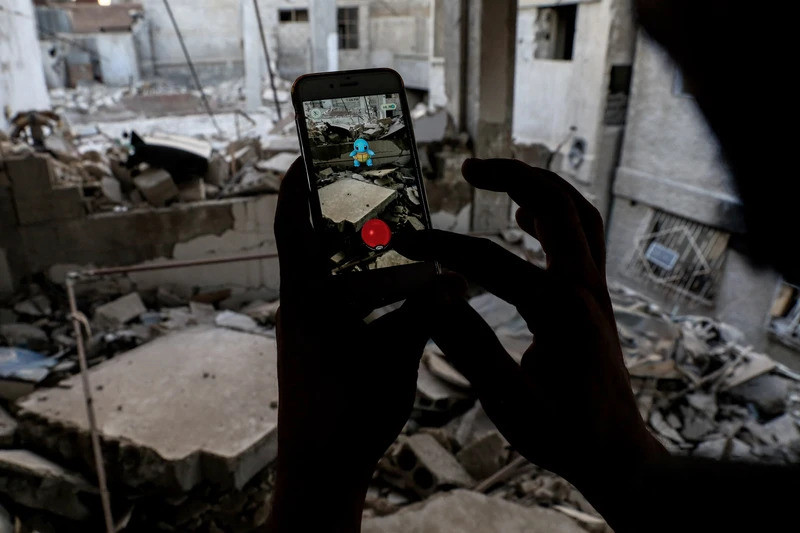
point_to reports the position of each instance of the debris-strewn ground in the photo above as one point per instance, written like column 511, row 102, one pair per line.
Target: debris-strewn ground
column 702, row 390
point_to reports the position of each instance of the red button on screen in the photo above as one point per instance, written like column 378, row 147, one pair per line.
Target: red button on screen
column 376, row 234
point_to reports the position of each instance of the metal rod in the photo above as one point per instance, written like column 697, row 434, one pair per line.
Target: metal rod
column 191, row 67
column 105, row 497
column 266, row 56
column 92, row 272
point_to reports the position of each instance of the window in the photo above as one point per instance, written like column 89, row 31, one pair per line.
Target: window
column 348, row 28
column 619, row 87
column 293, row 15
column 683, row 258
column 784, row 316
column 555, row 32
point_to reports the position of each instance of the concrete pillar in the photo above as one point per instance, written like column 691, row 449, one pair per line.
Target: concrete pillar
column 253, row 55
column 324, row 35
column 489, row 97
column 454, row 35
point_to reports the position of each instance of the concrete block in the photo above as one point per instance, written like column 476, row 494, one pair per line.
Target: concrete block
column 349, row 203
column 37, row 483
column 30, row 175
column 471, row 512
column 120, row 311
column 156, row 186
column 187, row 407
column 485, row 456
column 192, row 191
column 428, row 467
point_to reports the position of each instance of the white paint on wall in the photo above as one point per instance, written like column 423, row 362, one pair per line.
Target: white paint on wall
column 22, row 84
column 552, row 96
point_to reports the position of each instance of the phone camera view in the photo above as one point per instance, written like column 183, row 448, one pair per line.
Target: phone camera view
column 365, row 177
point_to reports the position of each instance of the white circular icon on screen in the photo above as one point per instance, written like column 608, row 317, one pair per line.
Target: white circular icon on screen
column 316, row 112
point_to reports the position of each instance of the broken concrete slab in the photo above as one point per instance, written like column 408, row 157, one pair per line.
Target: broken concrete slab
column 187, row 407
column 120, row 311
column 38, row 483
column 279, row 163
column 349, row 203
column 157, row 186
column 428, row 467
column 471, row 512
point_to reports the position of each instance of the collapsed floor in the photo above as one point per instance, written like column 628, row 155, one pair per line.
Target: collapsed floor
column 186, row 395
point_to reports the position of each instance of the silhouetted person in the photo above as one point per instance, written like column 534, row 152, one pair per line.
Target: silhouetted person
column 346, row 388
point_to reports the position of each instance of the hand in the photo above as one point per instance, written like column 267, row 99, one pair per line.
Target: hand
column 346, row 388
column 568, row 406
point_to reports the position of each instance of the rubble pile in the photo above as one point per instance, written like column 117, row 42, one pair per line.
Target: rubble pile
column 46, row 465
column 703, row 390
column 134, row 172
column 91, row 98
column 39, row 340
column 700, row 388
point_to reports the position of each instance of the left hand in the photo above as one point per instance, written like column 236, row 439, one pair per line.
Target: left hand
column 346, row 387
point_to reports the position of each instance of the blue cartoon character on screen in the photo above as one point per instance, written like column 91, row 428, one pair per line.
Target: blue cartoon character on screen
column 361, row 153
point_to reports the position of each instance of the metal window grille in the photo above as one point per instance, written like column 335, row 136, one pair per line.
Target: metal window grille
column 348, row 28
column 684, row 259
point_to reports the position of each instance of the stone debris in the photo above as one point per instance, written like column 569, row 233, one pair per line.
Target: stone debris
column 121, row 310
column 35, row 482
column 471, row 512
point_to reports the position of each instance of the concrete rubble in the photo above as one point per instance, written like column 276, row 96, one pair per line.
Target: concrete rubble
column 203, row 361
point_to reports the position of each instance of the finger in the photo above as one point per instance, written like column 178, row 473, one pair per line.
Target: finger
column 490, row 265
column 294, row 235
column 568, row 226
column 470, row 344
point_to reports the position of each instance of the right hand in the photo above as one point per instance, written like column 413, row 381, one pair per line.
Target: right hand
column 568, row 406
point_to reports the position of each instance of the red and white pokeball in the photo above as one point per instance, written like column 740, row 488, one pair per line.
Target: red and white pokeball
column 376, row 234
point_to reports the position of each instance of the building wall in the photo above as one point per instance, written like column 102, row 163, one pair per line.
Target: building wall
column 212, row 32
column 396, row 35
column 670, row 157
column 22, row 84
column 560, row 102
column 671, row 162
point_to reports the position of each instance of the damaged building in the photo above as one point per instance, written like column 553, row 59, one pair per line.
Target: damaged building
column 141, row 153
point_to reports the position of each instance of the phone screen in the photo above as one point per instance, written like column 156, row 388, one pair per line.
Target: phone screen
column 366, row 177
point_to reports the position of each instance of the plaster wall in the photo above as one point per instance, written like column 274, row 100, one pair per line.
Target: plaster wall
column 22, row 83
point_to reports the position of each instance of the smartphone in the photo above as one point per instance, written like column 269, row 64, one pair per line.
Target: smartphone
column 364, row 178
